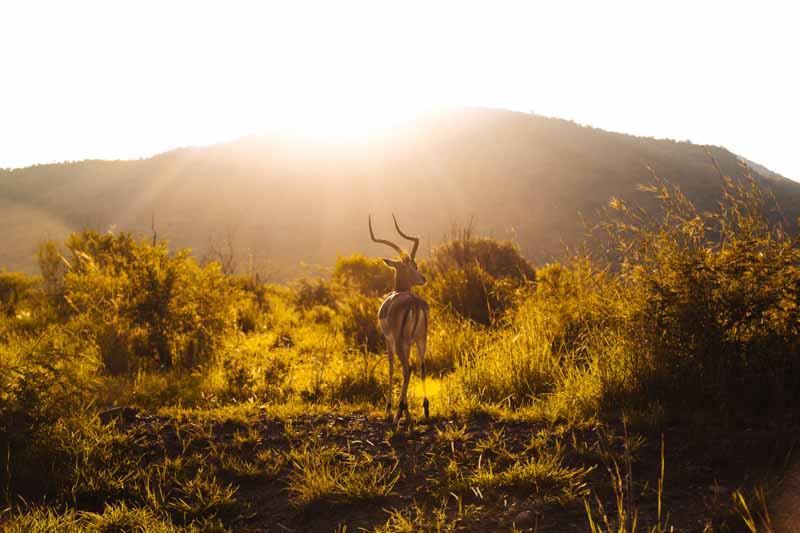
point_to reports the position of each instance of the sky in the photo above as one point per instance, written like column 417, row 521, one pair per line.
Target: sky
column 115, row 79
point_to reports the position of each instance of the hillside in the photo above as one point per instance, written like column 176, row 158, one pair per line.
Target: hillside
column 516, row 175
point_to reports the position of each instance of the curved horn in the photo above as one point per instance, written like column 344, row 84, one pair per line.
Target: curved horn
column 410, row 238
column 382, row 241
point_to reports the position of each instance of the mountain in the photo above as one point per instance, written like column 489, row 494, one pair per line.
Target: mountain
column 278, row 201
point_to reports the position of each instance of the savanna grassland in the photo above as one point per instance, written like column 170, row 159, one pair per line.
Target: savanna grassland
column 650, row 388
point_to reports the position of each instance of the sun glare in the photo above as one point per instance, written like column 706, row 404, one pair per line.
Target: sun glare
column 111, row 80
column 343, row 122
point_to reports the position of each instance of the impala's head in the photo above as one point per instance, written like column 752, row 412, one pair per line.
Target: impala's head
column 406, row 273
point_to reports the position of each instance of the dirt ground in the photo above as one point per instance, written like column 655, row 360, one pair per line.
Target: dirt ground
column 702, row 470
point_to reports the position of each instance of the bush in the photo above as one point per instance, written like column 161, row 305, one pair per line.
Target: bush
column 368, row 276
column 356, row 383
column 478, row 278
column 451, row 339
column 252, row 376
column 713, row 302
column 472, row 293
column 15, row 290
column 499, row 259
column 248, row 316
column 578, row 301
column 144, row 306
column 511, row 366
column 42, row 379
column 308, row 293
column 359, row 323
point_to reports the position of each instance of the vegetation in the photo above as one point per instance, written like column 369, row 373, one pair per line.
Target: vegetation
column 139, row 389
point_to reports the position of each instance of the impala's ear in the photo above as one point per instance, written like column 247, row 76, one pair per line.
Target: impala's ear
column 391, row 263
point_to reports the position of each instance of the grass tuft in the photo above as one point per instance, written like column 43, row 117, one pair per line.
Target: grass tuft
column 333, row 476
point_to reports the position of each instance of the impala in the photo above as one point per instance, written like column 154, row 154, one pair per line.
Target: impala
column 403, row 319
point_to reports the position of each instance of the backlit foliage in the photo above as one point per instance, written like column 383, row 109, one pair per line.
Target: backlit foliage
column 698, row 315
column 476, row 277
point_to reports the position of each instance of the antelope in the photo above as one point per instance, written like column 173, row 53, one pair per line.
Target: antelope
column 403, row 318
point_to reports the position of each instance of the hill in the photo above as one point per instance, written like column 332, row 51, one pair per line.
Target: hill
column 278, row 201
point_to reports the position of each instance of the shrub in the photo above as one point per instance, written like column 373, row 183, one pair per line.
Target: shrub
column 451, row 339
column 248, row 316
column 499, row 259
column 369, row 276
column 137, row 300
column 42, row 379
column 307, row 293
column 478, row 278
column 53, row 267
column 254, row 376
column 472, row 293
column 321, row 314
column 551, row 346
column 353, row 380
column 713, row 301
column 577, row 301
column 252, row 286
column 15, row 289
column 359, row 322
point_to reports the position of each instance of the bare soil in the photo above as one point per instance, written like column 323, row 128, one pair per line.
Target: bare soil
column 702, row 469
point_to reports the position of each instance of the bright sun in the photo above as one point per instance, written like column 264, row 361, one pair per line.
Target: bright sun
column 99, row 79
column 345, row 120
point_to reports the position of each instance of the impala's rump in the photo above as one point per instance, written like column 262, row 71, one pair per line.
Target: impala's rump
column 413, row 312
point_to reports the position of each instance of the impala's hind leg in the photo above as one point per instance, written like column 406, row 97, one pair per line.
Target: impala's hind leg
column 421, row 347
column 390, row 355
column 402, row 354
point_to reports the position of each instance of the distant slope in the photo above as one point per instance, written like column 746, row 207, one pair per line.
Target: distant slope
column 291, row 199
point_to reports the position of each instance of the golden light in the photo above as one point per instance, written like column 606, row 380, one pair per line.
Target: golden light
column 113, row 80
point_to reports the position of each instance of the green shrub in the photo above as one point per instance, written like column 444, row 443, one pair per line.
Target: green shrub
column 472, row 293
column 143, row 305
column 713, row 302
column 550, row 345
column 356, row 380
column 53, row 267
column 510, row 367
column 577, row 301
column 451, row 339
column 15, row 290
column 248, row 316
column 43, row 378
column 478, row 278
column 368, row 276
column 499, row 259
column 307, row 293
column 252, row 286
column 256, row 377
column 321, row 314
column 359, row 322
